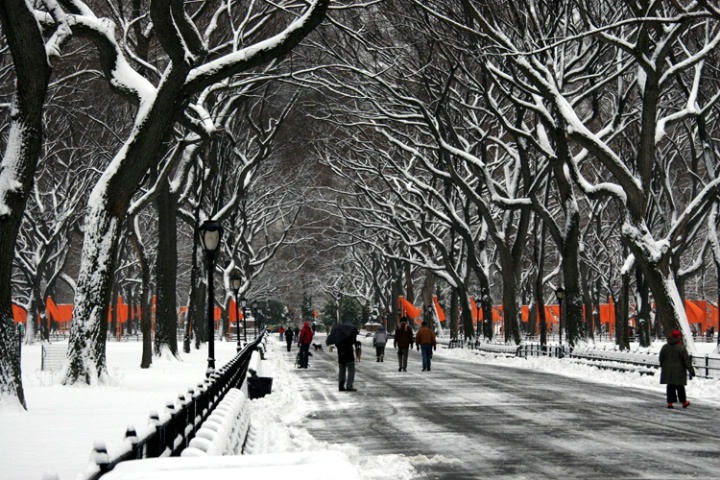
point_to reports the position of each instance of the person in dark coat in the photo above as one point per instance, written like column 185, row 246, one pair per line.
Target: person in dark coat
column 675, row 365
column 403, row 341
column 304, row 340
column 346, row 360
column 289, row 337
column 379, row 340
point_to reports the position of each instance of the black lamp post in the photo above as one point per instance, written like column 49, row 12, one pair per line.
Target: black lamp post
column 210, row 235
column 243, row 302
column 255, row 318
column 236, row 280
column 560, row 294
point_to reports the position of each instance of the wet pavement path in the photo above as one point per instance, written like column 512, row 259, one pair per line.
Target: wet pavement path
column 476, row 421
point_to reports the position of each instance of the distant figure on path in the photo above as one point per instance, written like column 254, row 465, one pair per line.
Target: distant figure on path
column 304, row 340
column 379, row 341
column 425, row 341
column 289, row 337
column 403, row 341
column 344, row 337
column 282, row 333
column 674, row 366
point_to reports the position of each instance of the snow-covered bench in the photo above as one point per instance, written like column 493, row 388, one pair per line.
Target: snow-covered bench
column 254, row 364
column 224, row 432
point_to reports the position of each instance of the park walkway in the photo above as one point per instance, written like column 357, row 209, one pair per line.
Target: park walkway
column 470, row 421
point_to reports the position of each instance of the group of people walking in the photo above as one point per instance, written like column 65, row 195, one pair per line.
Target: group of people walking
column 675, row 364
column 344, row 337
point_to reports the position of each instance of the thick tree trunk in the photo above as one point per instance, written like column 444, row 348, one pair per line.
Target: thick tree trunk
column 166, row 273
column 427, row 297
column 655, row 266
column 86, row 347
column 511, row 306
column 453, row 313
column 24, row 140
column 573, row 301
column 642, row 309
column 396, row 287
column 587, row 302
column 621, row 322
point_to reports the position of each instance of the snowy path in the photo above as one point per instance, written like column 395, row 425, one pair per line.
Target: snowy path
column 468, row 420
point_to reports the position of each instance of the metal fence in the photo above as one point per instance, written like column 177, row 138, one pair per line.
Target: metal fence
column 171, row 432
column 643, row 362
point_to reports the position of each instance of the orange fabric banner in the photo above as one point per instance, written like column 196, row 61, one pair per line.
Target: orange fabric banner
column 19, row 314
column 407, row 309
column 474, row 309
column 441, row 314
column 694, row 313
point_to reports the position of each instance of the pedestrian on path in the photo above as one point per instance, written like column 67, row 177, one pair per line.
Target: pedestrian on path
column 379, row 341
column 282, row 333
column 289, row 337
column 675, row 365
column 344, row 337
column 403, row 341
column 304, row 340
column 425, row 341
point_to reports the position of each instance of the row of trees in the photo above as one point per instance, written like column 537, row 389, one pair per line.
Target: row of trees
column 494, row 149
column 185, row 101
column 513, row 148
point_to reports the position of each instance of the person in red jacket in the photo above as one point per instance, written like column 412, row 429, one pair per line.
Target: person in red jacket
column 304, row 340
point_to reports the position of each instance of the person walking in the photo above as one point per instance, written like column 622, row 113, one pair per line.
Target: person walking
column 304, row 340
column 344, row 337
column 403, row 341
column 289, row 337
column 425, row 341
column 675, row 365
column 379, row 341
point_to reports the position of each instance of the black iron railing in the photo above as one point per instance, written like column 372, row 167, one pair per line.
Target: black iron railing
column 171, row 432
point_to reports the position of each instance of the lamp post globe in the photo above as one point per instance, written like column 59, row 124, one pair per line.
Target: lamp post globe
column 210, row 236
column 236, row 281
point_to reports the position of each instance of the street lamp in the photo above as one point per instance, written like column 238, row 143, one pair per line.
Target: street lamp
column 243, row 302
column 255, row 318
column 236, row 280
column 210, row 235
column 560, row 294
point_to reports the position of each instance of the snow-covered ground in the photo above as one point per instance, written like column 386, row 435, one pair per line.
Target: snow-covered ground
column 56, row 434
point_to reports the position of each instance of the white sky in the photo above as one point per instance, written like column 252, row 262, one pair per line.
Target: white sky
column 57, row 433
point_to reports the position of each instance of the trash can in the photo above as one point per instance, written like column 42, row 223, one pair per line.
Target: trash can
column 258, row 387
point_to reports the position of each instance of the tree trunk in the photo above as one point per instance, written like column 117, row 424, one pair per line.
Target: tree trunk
column 409, row 292
column 510, row 301
column 86, row 346
column 656, row 269
column 24, row 141
column 642, row 309
column 427, row 297
column 621, row 327
column 454, row 320
column 166, row 272
column 587, row 302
